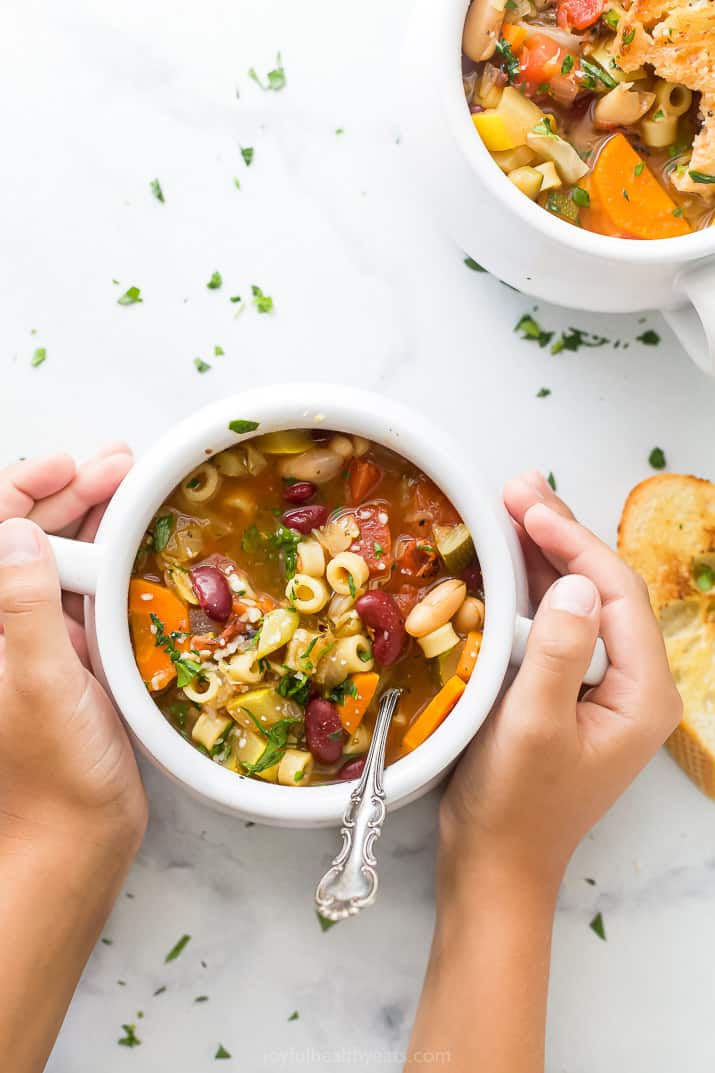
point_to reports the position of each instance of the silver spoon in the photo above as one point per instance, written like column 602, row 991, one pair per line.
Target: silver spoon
column 351, row 882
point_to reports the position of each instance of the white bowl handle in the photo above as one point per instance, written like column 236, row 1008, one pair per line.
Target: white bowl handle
column 78, row 564
column 596, row 669
column 694, row 323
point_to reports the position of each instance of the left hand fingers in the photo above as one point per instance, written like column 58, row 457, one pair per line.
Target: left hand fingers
column 23, row 484
column 95, row 482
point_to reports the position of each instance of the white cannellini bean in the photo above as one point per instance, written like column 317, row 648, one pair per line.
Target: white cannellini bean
column 481, row 28
column 360, row 446
column 317, row 464
column 341, row 445
column 470, row 615
column 436, row 608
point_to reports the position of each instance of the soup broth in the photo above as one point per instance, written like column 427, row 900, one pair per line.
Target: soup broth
column 288, row 581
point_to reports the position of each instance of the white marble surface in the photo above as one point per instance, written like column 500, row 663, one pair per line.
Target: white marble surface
column 98, row 100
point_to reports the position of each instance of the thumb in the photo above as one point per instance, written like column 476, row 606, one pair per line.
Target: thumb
column 36, row 639
column 560, row 645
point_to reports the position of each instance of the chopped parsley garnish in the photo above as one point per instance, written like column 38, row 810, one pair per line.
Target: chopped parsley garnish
column 160, row 990
column 597, row 926
column 294, row 1016
column 130, row 1038
column 567, row 65
column 552, row 481
column 163, row 528
column 237, row 182
column 679, row 211
column 378, row 549
column 532, row 331
column 701, row 177
column 201, row 366
column 657, row 458
column 252, row 540
column 177, row 949
column 275, row 79
column 325, row 924
column 222, row 1052
column 364, row 656
column 235, row 298
column 218, row 351
column 510, row 63
column 107, row 942
column 611, row 18
column 704, row 577
column 626, row 195
column 155, row 187
column 629, row 35
column 343, row 690
column 580, row 197
column 215, row 282
column 575, row 338
column 38, row 357
column 649, row 338
column 285, row 542
column 660, row 114
column 351, row 586
column 239, row 425
column 595, row 71
column 186, row 669
column 201, row 998
column 474, row 265
column 247, row 154
column 544, row 127
column 591, row 882
column 276, row 736
column 294, row 684
column 339, row 130
column 262, row 302
column 543, row 392
column 639, row 168
column 130, row 297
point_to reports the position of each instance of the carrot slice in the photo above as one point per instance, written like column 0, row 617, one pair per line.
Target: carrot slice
column 435, row 713
column 364, row 477
column 515, row 35
column 627, row 192
column 468, row 658
column 146, row 598
column 353, row 709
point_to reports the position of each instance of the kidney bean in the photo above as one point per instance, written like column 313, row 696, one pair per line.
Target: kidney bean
column 473, row 578
column 213, row 592
column 324, row 731
column 379, row 611
column 352, row 769
column 304, row 519
column 300, row 492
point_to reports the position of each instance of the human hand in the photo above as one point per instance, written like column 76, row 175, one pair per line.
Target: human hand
column 547, row 765
column 65, row 759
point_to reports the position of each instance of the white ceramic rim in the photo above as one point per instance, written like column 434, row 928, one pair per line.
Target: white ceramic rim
column 641, row 251
column 182, row 448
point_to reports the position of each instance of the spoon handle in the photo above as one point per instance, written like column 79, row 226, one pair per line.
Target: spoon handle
column 350, row 884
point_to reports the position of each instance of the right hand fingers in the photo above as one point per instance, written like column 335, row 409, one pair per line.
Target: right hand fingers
column 26, row 482
column 558, row 653
column 523, row 492
column 95, row 482
column 628, row 625
column 36, row 643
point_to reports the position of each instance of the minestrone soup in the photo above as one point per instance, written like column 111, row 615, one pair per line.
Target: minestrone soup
column 604, row 114
column 288, row 581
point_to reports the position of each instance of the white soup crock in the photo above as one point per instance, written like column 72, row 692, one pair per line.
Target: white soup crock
column 102, row 571
column 516, row 239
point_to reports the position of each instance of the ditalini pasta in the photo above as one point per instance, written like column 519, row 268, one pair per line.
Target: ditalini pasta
column 284, row 584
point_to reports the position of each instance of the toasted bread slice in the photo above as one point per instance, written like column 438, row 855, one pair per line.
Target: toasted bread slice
column 678, row 38
column 667, row 534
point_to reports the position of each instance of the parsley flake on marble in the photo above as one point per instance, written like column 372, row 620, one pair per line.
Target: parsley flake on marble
column 598, row 926
column 474, row 265
column 201, row 365
column 275, row 79
column 262, row 302
column 247, row 154
column 130, row 1038
column 649, row 338
column 543, row 392
column 222, row 1052
column 241, row 425
column 177, row 949
column 657, row 458
column 215, row 282
column 130, row 297
column 325, row 924
column 552, row 481
column 39, row 357
column 155, row 187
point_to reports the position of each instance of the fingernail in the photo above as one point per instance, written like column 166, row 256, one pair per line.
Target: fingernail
column 575, row 594
column 18, row 542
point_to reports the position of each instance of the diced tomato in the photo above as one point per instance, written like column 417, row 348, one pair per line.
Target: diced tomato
column 429, row 507
column 544, row 62
column 375, row 540
column 415, row 561
column 364, row 477
column 579, row 14
column 406, row 598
